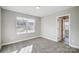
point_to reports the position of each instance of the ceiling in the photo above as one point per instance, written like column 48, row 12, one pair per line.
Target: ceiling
column 31, row 10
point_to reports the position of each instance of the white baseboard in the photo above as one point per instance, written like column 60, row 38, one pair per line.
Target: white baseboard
column 44, row 36
column 19, row 40
column 74, row 46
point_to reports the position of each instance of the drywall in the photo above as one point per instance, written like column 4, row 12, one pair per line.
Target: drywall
column 9, row 27
column 0, row 27
column 48, row 26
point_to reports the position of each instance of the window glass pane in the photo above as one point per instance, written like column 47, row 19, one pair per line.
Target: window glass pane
column 20, row 25
column 31, row 25
column 24, row 25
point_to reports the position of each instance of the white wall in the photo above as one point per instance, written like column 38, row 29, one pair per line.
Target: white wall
column 48, row 26
column 9, row 27
column 0, row 27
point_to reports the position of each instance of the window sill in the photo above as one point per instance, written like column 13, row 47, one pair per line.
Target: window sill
column 25, row 32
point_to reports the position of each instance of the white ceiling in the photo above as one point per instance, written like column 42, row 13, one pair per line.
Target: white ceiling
column 31, row 10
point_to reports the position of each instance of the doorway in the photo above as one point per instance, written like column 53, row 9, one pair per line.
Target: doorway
column 63, row 28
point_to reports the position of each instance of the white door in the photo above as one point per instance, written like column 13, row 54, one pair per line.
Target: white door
column 59, row 30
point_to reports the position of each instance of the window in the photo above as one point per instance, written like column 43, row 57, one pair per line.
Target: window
column 25, row 25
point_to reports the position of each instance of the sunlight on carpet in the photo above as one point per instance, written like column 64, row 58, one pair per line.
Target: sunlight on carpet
column 27, row 49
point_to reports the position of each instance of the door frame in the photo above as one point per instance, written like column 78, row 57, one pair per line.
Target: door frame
column 57, row 26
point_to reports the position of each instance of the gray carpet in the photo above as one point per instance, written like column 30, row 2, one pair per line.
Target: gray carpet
column 38, row 45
